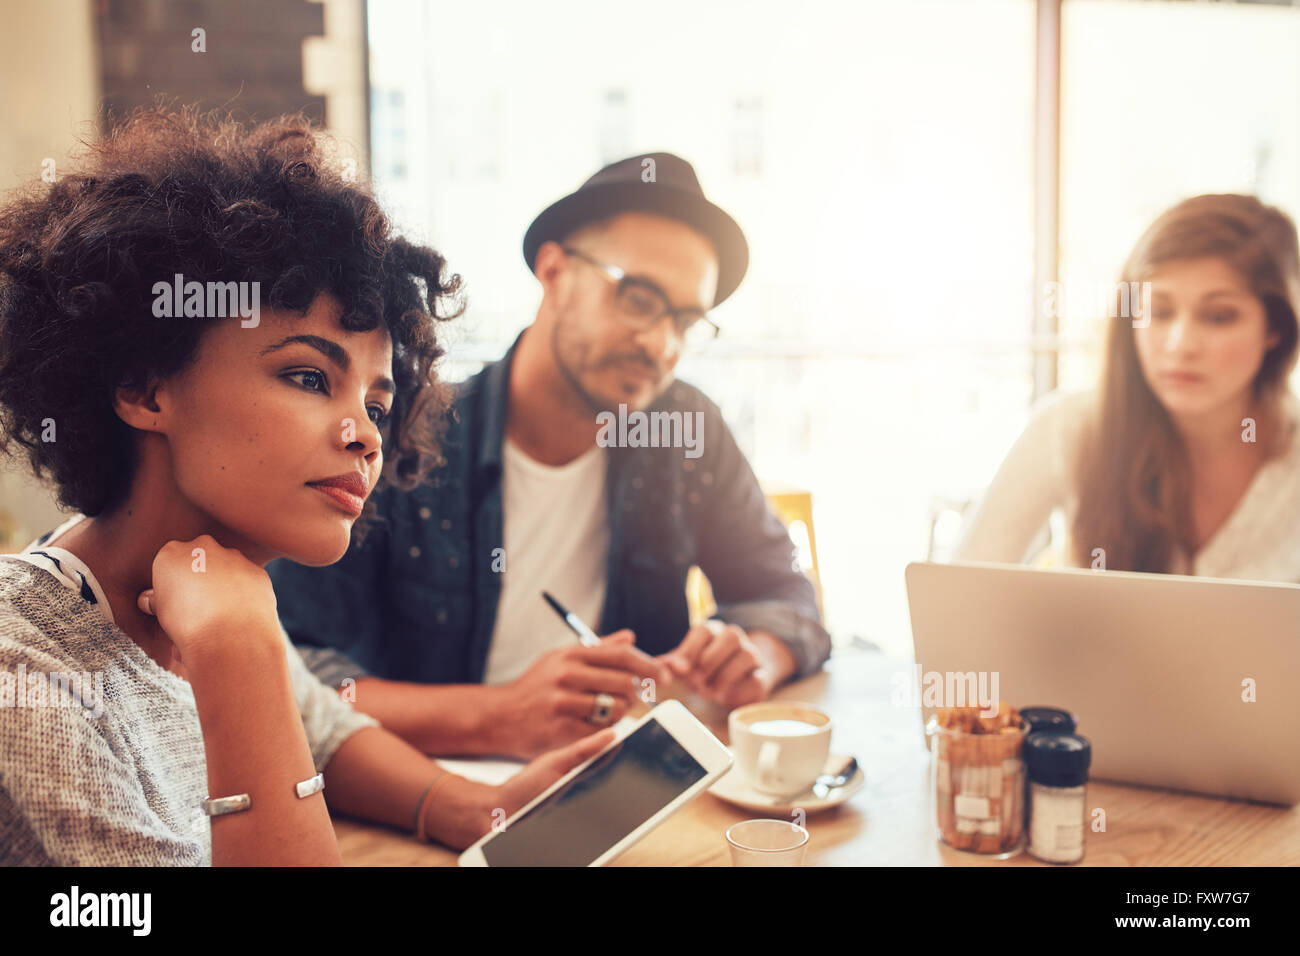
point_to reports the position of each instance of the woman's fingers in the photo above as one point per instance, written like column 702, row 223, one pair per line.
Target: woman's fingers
column 145, row 602
column 581, row 750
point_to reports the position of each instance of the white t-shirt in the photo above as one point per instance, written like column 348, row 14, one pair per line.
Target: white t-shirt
column 556, row 539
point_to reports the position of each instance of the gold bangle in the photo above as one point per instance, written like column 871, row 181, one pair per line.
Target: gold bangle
column 424, row 802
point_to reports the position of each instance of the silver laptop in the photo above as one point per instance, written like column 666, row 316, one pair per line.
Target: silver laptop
column 1153, row 666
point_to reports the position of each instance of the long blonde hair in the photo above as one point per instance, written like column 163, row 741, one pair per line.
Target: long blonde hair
column 1134, row 478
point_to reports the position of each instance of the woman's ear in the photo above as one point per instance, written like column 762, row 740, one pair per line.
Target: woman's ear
column 139, row 406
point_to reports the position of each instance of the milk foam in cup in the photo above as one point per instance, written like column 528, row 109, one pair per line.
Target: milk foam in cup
column 780, row 746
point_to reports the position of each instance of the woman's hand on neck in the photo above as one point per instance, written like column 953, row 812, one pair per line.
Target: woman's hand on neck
column 120, row 544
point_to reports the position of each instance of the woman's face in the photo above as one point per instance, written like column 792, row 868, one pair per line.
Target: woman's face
column 265, row 412
column 1206, row 340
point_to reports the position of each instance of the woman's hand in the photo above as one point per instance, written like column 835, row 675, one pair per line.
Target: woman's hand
column 218, row 610
column 463, row 811
column 206, row 595
column 548, row 768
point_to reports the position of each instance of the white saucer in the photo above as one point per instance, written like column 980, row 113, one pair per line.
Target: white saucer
column 734, row 787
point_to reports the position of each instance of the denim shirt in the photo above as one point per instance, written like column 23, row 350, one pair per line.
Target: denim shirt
column 417, row 599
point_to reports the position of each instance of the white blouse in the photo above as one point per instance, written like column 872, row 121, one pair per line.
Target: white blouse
column 1260, row 540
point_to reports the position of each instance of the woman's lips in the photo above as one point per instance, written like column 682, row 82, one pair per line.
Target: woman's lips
column 1182, row 378
column 352, row 504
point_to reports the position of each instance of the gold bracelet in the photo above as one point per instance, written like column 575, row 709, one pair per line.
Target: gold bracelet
column 424, row 802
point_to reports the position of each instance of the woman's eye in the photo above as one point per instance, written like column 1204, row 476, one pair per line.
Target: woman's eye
column 312, row 375
column 380, row 416
column 1223, row 318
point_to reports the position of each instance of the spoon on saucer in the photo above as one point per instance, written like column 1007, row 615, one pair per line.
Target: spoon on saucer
column 830, row 781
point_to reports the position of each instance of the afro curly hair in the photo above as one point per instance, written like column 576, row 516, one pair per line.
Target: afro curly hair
column 169, row 192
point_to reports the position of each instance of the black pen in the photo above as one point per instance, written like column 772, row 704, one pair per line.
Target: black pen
column 586, row 636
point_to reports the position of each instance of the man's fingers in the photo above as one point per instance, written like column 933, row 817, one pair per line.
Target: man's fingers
column 741, row 665
column 625, row 657
column 593, row 680
column 718, row 653
column 696, row 639
column 580, row 706
column 571, row 703
column 748, row 690
column 676, row 664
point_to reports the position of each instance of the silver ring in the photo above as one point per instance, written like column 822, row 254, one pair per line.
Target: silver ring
column 602, row 709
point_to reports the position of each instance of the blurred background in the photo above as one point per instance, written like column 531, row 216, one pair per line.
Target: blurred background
column 913, row 176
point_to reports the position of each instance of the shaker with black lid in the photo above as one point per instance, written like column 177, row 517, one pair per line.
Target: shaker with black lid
column 1048, row 718
column 1043, row 718
column 1057, row 765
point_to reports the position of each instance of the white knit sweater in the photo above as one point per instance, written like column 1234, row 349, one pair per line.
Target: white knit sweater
column 1260, row 540
column 116, row 775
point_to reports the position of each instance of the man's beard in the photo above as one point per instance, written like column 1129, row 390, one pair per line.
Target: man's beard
column 594, row 402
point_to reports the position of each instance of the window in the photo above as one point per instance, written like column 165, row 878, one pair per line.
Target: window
column 1162, row 101
column 879, row 156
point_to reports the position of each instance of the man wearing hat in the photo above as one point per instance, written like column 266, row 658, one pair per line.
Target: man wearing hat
column 436, row 623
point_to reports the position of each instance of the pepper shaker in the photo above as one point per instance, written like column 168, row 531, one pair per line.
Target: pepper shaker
column 1057, row 765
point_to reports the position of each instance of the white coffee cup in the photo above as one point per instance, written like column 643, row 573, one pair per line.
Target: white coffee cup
column 781, row 746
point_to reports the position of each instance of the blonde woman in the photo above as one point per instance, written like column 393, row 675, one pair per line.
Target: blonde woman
column 1186, row 458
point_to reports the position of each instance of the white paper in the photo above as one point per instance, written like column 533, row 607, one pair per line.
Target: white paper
column 496, row 770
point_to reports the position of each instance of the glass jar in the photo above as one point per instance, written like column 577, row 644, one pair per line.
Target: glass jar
column 978, row 783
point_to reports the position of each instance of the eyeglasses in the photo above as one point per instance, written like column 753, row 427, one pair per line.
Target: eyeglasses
column 642, row 305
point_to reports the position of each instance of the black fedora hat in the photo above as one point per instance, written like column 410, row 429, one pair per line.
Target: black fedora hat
column 648, row 182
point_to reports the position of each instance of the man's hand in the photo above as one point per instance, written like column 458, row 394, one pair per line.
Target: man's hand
column 549, row 704
column 726, row 665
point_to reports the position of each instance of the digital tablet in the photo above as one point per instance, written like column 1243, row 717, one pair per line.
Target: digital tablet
column 601, row 808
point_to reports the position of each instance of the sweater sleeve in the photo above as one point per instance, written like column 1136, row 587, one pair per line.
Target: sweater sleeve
column 68, row 797
column 328, row 719
column 1033, row 479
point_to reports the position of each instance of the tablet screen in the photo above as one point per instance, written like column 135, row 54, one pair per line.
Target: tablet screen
column 609, row 799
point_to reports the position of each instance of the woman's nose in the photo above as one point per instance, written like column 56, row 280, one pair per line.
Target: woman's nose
column 360, row 433
column 1181, row 336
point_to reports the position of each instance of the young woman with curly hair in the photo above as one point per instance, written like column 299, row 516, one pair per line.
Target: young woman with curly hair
column 196, row 448
column 1186, row 458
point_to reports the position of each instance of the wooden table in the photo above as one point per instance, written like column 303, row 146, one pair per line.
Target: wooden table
column 891, row 820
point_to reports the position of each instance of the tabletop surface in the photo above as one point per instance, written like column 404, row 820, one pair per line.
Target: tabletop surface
column 891, row 821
